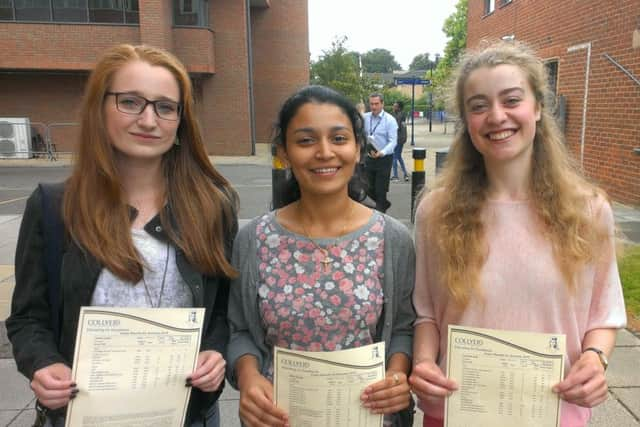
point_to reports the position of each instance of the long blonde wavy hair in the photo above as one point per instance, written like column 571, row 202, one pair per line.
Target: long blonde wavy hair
column 559, row 193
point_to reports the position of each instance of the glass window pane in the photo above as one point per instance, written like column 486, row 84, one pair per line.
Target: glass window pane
column 193, row 13
column 552, row 72
column 33, row 10
column 6, row 10
column 70, row 10
column 489, row 6
column 106, row 11
column 132, row 12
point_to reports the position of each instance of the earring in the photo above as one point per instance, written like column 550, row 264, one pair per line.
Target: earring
column 177, row 141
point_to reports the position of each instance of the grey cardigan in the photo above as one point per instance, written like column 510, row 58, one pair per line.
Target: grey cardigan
column 395, row 327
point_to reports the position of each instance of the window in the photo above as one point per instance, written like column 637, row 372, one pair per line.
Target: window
column 131, row 12
column 32, row 10
column 489, row 6
column 6, row 10
column 70, row 10
column 192, row 13
column 108, row 11
column 552, row 75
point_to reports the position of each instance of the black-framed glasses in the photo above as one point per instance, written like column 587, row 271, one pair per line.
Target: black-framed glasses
column 129, row 103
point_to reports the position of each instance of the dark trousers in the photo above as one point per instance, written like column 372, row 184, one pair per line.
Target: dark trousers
column 378, row 171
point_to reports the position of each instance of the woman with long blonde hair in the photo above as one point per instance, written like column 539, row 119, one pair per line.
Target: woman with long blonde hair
column 513, row 237
column 148, row 222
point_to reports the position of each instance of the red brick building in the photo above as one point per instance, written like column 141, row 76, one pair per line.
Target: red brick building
column 244, row 56
column 592, row 50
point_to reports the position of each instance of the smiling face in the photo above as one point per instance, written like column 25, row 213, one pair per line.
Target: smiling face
column 142, row 136
column 501, row 113
column 321, row 149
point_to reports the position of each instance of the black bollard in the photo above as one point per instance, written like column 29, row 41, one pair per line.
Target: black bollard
column 417, row 176
column 278, row 178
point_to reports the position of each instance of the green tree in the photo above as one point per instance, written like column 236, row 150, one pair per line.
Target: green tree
column 455, row 28
column 339, row 69
column 392, row 95
column 421, row 62
column 379, row 61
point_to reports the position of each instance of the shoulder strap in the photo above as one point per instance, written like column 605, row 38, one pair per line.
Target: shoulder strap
column 53, row 230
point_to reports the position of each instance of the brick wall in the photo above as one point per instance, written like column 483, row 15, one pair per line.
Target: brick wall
column 280, row 59
column 59, row 46
column 224, row 111
column 45, row 99
column 612, row 126
column 156, row 20
column 196, row 49
column 35, row 54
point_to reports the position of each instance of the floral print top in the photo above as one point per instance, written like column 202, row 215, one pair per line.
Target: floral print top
column 307, row 305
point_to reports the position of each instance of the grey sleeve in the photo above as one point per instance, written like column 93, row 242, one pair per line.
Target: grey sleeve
column 403, row 258
column 241, row 303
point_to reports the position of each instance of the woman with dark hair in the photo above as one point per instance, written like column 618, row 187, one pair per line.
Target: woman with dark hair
column 148, row 222
column 324, row 272
column 401, row 118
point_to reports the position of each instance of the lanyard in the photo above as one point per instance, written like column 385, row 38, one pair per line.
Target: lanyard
column 371, row 123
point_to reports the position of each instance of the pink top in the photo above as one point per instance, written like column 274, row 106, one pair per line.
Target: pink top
column 523, row 289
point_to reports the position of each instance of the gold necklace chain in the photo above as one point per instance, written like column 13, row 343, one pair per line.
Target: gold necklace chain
column 325, row 251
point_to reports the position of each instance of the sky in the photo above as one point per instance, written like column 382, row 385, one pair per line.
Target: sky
column 406, row 28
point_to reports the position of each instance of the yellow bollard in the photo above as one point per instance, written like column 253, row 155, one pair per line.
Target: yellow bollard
column 417, row 176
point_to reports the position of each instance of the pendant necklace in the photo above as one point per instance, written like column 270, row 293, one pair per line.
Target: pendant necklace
column 164, row 277
column 325, row 251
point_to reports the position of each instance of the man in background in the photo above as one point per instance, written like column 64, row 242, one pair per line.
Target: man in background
column 382, row 132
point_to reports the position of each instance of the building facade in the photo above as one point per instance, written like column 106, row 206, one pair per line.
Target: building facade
column 592, row 51
column 244, row 57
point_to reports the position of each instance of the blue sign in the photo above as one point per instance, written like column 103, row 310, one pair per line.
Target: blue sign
column 411, row 81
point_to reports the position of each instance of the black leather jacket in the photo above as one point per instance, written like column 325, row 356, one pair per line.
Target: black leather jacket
column 28, row 326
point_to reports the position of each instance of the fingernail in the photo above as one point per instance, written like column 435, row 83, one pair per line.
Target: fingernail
column 187, row 384
column 73, row 396
column 75, row 391
column 74, row 385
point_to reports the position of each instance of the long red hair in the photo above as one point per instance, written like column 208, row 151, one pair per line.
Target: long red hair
column 201, row 202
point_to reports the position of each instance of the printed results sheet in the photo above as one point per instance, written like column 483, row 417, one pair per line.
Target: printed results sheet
column 504, row 378
column 130, row 365
column 320, row 389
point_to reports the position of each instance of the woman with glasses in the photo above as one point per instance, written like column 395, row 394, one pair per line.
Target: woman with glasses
column 147, row 222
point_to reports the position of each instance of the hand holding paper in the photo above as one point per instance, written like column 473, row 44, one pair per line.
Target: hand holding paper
column 52, row 385
column 427, row 380
column 585, row 385
column 209, row 372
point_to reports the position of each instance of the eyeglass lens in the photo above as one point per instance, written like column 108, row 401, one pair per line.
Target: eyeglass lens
column 134, row 104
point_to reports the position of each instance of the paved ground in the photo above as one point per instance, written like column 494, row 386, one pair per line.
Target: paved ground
column 251, row 176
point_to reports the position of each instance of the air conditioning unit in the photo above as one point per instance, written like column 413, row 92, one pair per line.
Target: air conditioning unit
column 15, row 138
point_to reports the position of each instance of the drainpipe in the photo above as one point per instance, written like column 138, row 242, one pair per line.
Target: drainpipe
column 252, row 117
column 586, row 95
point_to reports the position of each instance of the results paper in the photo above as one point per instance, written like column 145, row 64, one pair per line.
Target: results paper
column 324, row 388
column 130, row 365
column 504, row 378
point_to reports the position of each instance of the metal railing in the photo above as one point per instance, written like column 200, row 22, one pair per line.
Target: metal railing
column 22, row 139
